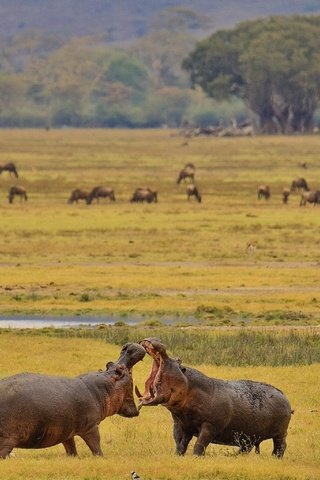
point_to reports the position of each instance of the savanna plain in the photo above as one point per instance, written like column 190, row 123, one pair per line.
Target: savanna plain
column 180, row 268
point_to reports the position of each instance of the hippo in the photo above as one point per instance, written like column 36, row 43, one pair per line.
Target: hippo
column 39, row 411
column 239, row 413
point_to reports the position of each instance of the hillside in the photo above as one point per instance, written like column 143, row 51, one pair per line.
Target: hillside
column 124, row 20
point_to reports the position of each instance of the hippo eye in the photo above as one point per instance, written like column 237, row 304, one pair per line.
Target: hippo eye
column 109, row 365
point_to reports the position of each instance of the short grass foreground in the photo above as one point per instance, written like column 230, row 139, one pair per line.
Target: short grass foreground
column 145, row 444
column 176, row 257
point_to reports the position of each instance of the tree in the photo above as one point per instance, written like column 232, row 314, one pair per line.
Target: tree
column 272, row 64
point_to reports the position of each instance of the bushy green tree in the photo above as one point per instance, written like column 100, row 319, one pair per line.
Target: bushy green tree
column 272, row 64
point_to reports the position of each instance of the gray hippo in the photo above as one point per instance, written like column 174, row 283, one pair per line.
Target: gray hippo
column 39, row 411
column 240, row 413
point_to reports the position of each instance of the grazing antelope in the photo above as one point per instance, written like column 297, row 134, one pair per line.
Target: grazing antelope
column 144, row 194
column 101, row 192
column 299, row 183
column 78, row 194
column 263, row 191
column 17, row 190
column 310, row 197
column 303, row 165
column 192, row 191
column 188, row 171
column 251, row 247
column 285, row 195
column 9, row 167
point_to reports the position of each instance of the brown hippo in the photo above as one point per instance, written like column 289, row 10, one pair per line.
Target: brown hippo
column 263, row 191
column 240, row 413
column 310, row 197
column 285, row 195
column 78, row 194
column 192, row 191
column 144, row 194
column 9, row 167
column 188, row 171
column 101, row 192
column 17, row 190
column 298, row 184
column 39, row 411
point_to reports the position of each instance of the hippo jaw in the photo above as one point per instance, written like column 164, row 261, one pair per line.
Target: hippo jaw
column 158, row 386
column 131, row 354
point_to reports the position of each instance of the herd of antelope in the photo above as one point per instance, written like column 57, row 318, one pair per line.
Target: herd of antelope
column 141, row 194
column 145, row 194
column 298, row 185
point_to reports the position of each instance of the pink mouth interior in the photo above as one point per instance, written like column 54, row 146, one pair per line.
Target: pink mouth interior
column 153, row 381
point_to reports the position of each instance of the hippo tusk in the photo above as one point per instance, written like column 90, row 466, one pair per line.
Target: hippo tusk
column 136, row 389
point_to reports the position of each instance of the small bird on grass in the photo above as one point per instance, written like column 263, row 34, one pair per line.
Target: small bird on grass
column 135, row 476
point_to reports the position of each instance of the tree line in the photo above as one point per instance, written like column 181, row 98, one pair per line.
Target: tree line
column 266, row 69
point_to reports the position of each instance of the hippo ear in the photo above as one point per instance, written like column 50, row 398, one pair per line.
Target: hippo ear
column 109, row 365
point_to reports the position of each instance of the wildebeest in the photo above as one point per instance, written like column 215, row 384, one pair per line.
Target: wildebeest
column 188, row 171
column 9, row 167
column 310, row 197
column 263, row 191
column 39, row 411
column 241, row 413
column 101, row 192
column 78, row 194
column 299, row 183
column 17, row 190
column 285, row 195
column 192, row 191
column 144, row 194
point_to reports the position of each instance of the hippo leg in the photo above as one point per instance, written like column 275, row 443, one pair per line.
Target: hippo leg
column 182, row 439
column 279, row 446
column 204, row 438
column 92, row 439
column 5, row 449
column 70, row 447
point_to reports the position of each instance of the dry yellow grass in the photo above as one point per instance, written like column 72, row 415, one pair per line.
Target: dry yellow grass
column 145, row 444
column 165, row 258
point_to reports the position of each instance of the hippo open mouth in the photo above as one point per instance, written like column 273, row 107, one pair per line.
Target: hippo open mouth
column 153, row 394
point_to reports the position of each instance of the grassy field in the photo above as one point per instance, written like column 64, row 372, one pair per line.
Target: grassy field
column 145, row 444
column 176, row 258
